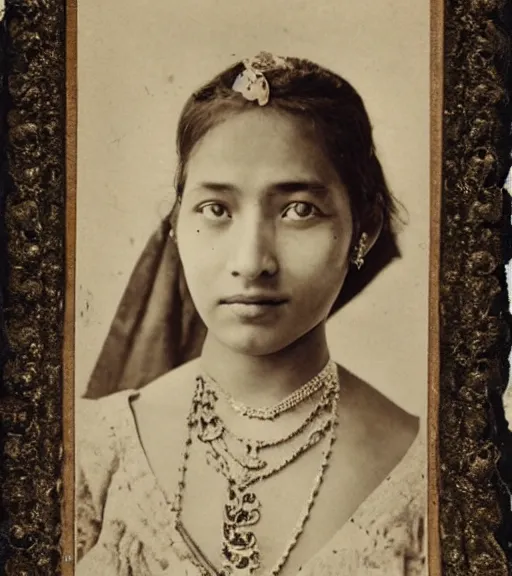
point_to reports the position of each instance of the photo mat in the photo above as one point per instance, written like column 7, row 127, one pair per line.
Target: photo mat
column 382, row 334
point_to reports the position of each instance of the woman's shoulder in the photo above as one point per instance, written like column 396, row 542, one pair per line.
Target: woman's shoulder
column 100, row 426
column 384, row 429
column 173, row 391
column 396, row 440
column 104, row 427
column 102, row 418
column 376, row 403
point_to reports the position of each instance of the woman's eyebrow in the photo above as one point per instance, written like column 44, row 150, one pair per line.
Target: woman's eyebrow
column 286, row 187
column 289, row 187
column 217, row 187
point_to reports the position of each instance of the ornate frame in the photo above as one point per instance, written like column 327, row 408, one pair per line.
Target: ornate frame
column 471, row 464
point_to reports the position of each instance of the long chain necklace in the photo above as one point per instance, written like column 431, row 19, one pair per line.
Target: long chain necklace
column 241, row 555
column 328, row 373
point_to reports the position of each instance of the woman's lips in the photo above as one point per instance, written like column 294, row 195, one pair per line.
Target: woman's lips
column 266, row 299
column 253, row 307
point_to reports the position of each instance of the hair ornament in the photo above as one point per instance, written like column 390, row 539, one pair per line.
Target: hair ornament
column 251, row 83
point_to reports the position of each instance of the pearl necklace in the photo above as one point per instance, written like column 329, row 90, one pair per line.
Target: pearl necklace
column 242, row 510
column 328, row 375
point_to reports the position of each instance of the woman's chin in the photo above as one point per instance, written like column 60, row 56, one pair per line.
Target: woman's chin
column 254, row 341
column 253, row 348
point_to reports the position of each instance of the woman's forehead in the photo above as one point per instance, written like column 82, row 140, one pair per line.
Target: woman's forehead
column 260, row 144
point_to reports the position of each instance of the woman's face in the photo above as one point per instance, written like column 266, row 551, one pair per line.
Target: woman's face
column 263, row 231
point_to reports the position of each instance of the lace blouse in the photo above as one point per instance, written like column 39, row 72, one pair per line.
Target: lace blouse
column 125, row 526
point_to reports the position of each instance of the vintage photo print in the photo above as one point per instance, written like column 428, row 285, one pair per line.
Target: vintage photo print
column 251, row 342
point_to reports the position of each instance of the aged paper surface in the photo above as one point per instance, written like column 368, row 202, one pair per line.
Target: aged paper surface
column 137, row 67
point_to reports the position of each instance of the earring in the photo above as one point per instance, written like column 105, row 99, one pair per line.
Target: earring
column 360, row 251
column 172, row 236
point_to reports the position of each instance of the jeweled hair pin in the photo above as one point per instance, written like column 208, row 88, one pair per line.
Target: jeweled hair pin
column 251, row 83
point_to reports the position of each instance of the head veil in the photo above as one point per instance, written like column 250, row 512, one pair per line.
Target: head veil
column 156, row 327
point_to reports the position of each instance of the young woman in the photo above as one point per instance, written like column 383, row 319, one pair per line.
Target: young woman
column 245, row 449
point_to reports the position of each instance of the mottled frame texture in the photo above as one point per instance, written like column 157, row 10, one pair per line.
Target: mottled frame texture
column 476, row 446
column 474, row 318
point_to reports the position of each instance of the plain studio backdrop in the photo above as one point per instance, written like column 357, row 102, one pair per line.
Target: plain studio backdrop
column 138, row 61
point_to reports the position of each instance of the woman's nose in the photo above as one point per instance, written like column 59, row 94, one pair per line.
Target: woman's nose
column 253, row 251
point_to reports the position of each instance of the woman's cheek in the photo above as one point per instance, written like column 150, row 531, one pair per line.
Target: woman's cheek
column 318, row 254
column 203, row 261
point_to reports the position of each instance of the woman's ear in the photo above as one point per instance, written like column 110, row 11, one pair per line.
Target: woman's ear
column 370, row 232
column 173, row 218
column 381, row 250
column 373, row 231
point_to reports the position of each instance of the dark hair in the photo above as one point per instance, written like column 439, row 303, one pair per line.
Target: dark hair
column 311, row 92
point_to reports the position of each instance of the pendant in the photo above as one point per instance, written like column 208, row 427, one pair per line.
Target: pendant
column 210, row 428
column 251, row 458
column 240, row 547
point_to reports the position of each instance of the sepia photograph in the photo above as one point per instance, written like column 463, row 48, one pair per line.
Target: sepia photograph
column 253, row 258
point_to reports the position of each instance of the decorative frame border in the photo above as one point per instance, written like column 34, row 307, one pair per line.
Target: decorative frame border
column 475, row 516
column 469, row 337
column 474, row 501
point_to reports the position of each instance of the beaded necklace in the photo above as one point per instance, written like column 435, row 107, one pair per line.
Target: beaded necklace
column 240, row 461
column 295, row 398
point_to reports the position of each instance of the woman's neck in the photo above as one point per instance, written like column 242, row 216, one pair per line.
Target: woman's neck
column 266, row 380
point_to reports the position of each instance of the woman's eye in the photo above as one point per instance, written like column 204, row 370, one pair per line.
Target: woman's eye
column 300, row 211
column 214, row 211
